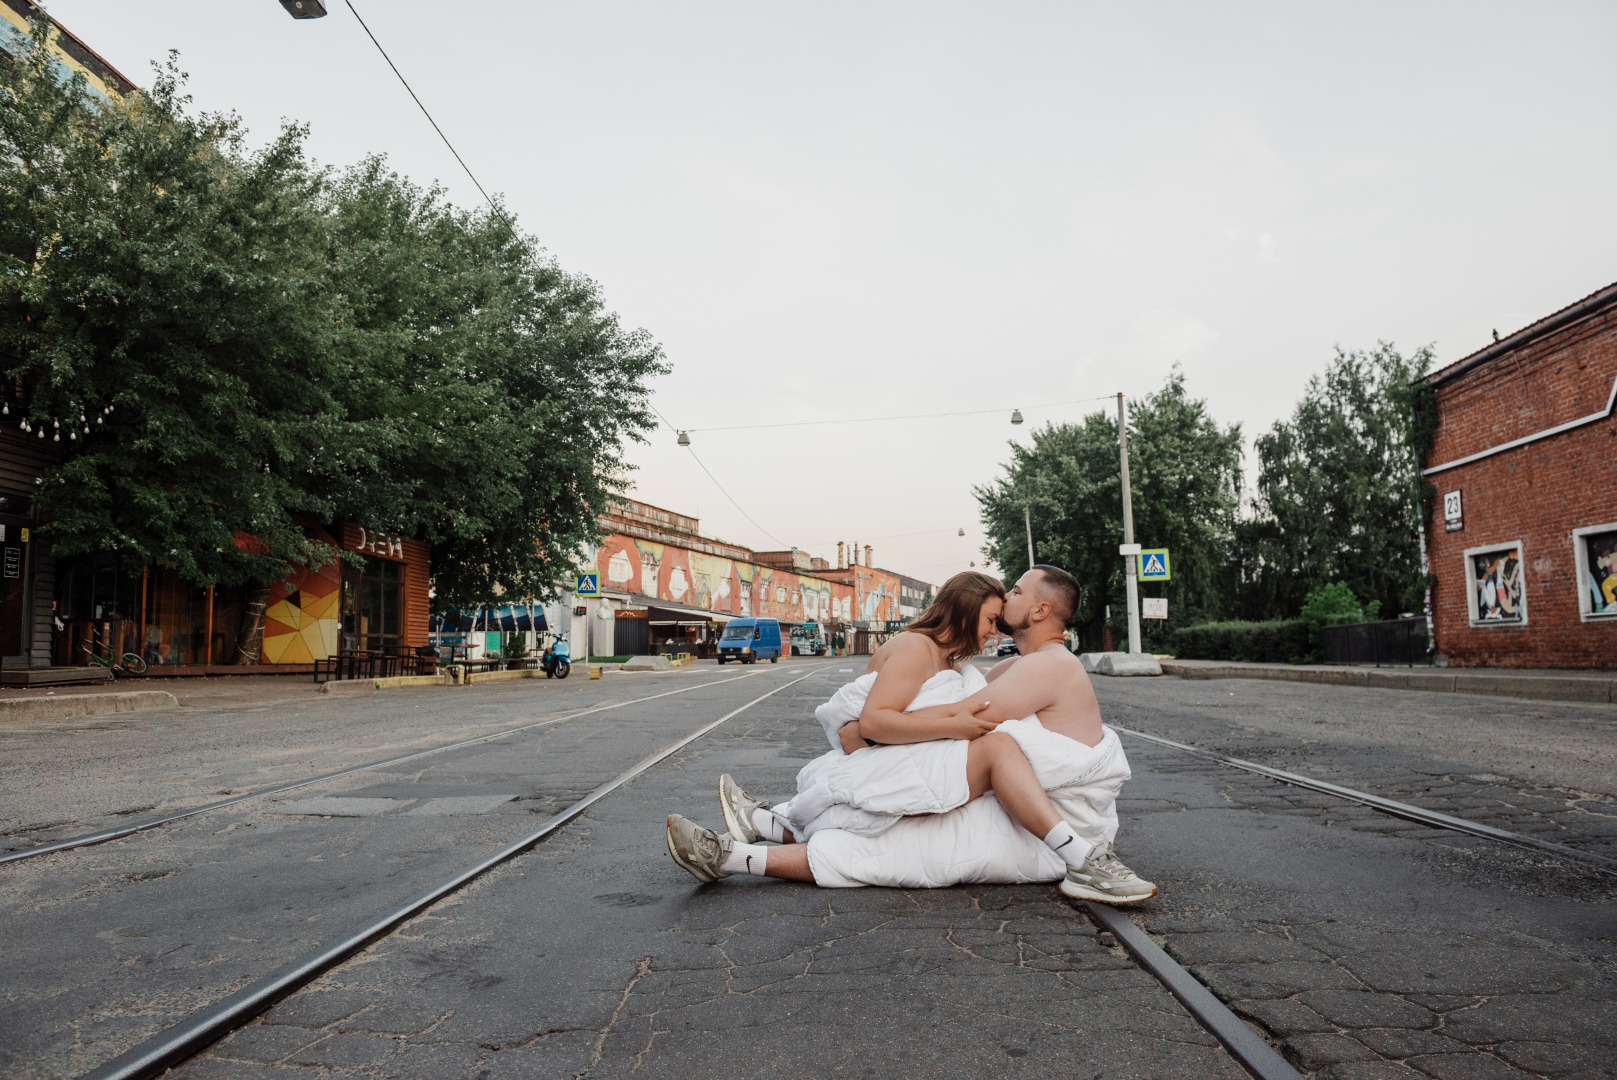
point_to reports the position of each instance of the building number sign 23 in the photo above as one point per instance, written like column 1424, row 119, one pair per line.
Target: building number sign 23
column 1453, row 518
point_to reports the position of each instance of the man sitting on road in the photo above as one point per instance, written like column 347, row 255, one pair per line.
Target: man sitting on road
column 1043, row 700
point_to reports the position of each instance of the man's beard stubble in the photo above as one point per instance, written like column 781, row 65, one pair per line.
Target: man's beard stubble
column 1006, row 628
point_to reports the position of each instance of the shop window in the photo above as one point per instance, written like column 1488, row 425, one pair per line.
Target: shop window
column 371, row 605
column 1495, row 589
column 1594, row 551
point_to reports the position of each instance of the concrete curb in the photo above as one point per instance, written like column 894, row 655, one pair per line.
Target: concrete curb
column 67, row 706
column 394, row 682
column 1537, row 687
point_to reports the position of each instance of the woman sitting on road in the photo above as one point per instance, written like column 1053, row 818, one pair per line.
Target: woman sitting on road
column 931, row 764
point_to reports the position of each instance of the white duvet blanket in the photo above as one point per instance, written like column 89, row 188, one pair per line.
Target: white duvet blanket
column 869, row 791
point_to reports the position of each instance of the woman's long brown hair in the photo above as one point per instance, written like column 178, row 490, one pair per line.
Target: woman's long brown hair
column 951, row 619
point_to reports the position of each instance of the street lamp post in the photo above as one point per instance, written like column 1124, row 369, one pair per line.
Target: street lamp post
column 1027, row 520
column 1130, row 550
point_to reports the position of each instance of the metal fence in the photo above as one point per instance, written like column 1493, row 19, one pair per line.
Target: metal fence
column 1393, row 642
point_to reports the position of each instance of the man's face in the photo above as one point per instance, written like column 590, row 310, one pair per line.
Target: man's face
column 1019, row 603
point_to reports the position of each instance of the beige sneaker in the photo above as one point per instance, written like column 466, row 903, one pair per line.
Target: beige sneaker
column 697, row 849
column 1104, row 878
column 738, row 806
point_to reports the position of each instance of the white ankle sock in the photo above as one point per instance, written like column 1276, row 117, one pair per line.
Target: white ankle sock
column 1066, row 843
column 768, row 825
column 746, row 859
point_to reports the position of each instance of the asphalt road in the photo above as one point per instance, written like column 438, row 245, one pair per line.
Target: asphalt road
column 1360, row 945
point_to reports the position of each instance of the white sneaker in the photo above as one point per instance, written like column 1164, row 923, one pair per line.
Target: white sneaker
column 1104, row 878
column 697, row 849
column 737, row 807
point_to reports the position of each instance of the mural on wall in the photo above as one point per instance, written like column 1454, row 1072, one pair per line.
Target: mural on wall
column 712, row 576
column 300, row 623
column 720, row 584
column 878, row 597
column 1496, row 577
column 1600, row 556
column 651, row 563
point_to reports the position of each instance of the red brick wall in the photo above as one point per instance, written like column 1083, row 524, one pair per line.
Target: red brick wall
column 1536, row 493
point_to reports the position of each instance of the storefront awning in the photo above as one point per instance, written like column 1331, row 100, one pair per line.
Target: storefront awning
column 663, row 611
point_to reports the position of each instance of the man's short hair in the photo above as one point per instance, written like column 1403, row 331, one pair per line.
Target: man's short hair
column 1061, row 589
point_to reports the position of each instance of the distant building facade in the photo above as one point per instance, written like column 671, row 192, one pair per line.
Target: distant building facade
column 659, row 571
column 1523, row 541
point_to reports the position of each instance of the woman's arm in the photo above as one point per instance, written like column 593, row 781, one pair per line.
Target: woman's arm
column 900, row 679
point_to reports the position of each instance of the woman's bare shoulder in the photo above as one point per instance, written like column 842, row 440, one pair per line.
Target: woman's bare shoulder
column 909, row 649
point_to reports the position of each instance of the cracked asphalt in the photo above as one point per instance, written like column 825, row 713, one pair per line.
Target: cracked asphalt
column 1361, row 946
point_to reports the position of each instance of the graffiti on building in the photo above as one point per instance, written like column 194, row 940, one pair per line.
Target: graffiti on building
column 725, row 585
column 1600, row 580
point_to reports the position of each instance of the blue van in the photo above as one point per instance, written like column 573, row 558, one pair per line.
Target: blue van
column 750, row 640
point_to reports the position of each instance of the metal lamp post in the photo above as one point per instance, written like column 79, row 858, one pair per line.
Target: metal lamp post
column 1129, row 550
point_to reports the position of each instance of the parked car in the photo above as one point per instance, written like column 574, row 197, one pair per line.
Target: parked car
column 1008, row 648
column 749, row 640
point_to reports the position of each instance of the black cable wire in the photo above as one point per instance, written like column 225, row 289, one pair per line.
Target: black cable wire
column 491, row 205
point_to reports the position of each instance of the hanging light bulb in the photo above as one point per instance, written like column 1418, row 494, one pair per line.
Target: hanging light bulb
column 81, row 418
column 55, row 438
column 99, row 419
column 684, row 439
column 5, row 408
column 70, row 435
column 1016, row 416
column 962, row 532
column 87, row 429
column 56, row 423
column 41, row 433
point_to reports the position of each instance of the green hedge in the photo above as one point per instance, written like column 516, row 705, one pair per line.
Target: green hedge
column 1276, row 642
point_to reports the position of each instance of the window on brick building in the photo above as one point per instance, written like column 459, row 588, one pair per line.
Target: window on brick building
column 1496, row 590
column 1594, row 551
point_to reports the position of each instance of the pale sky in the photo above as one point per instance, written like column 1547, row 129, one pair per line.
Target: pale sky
column 838, row 210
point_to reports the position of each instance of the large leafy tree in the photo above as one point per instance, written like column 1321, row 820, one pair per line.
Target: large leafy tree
column 1334, row 485
column 256, row 343
column 164, row 289
column 1185, row 476
column 499, row 387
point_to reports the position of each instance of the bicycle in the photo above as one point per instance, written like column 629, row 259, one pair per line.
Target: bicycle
column 132, row 663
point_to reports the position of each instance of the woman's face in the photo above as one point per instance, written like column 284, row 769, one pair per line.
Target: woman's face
column 987, row 618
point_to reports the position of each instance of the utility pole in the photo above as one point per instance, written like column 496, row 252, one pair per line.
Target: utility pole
column 1028, row 521
column 1130, row 550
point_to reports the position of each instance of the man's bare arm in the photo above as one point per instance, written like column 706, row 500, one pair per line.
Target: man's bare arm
column 1022, row 690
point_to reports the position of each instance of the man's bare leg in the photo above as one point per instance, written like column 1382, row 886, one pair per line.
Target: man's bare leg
column 996, row 763
column 789, row 861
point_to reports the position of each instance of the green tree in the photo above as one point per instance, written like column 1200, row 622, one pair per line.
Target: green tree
column 1185, row 475
column 163, row 306
column 255, row 344
column 1334, row 490
column 499, row 388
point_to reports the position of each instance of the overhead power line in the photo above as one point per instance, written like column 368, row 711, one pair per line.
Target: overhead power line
column 883, row 419
column 669, row 424
column 506, row 221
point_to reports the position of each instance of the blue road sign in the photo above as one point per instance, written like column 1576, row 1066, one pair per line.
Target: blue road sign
column 588, row 585
column 1154, row 565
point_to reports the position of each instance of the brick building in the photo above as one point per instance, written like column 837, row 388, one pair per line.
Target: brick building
column 1523, row 543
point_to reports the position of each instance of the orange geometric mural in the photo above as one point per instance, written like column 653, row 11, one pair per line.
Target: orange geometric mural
column 300, row 626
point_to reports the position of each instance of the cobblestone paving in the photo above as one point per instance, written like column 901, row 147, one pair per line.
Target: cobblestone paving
column 1448, row 957
column 1443, row 754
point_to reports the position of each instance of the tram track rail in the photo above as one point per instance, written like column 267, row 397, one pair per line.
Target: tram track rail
column 102, row 836
column 1432, row 818
column 181, row 1041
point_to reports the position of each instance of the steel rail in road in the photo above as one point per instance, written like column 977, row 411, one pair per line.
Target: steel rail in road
column 1245, row 1045
column 129, row 830
column 1418, row 814
column 179, row 1042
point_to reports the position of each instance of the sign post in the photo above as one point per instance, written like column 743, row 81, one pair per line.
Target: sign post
column 588, row 586
column 1129, row 549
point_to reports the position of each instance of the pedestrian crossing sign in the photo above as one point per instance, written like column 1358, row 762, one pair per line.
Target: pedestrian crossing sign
column 1154, row 565
column 588, row 585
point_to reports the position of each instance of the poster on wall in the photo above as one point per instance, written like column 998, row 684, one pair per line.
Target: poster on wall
column 1597, row 571
column 1496, row 584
